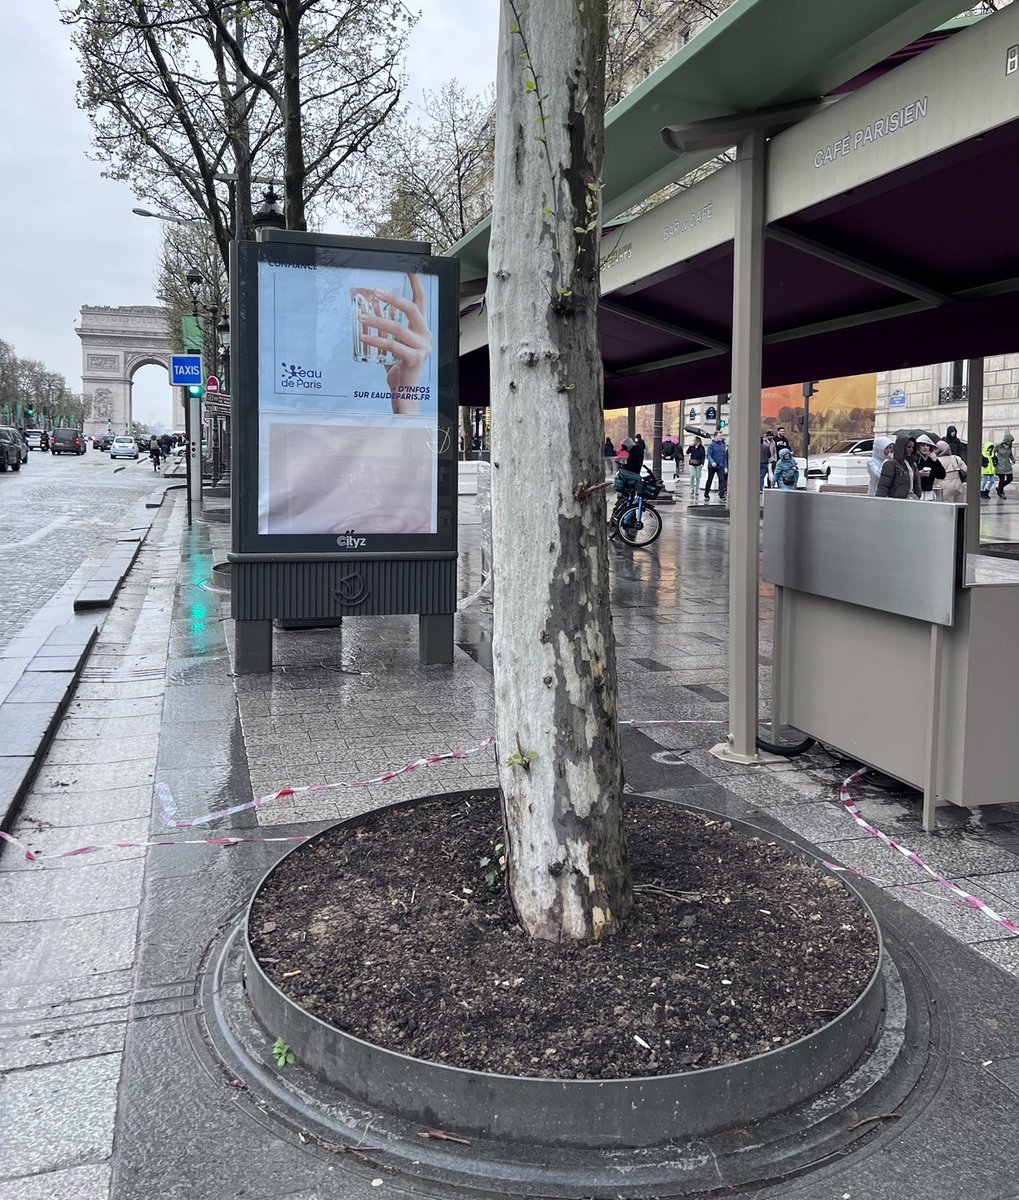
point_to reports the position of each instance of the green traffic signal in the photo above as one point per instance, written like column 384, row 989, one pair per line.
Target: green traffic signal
column 196, row 389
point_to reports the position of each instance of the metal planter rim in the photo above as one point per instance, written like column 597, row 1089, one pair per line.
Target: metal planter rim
column 635, row 1111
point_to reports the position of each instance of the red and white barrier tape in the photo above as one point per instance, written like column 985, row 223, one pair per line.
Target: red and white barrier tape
column 168, row 805
column 973, row 902
column 168, row 809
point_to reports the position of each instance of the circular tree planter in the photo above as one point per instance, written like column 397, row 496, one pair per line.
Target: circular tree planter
column 636, row 1111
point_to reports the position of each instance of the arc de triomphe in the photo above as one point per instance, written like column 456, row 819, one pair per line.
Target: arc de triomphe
column 115, row 343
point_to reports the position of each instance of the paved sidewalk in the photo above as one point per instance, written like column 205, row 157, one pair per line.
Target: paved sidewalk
column 108, row 1090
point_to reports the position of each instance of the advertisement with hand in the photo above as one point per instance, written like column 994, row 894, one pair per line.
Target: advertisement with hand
column 348, row 400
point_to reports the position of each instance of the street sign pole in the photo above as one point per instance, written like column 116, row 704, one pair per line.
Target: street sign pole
column 186, row 372
column 195, row 448
column 187, row 457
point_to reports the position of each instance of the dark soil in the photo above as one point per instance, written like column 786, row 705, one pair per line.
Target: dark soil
column 390, row 932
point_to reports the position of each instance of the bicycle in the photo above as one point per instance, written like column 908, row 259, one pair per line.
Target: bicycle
column 634, row 518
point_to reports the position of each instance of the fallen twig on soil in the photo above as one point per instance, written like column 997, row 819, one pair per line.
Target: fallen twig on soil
column 685, row 897
column 440, row 1135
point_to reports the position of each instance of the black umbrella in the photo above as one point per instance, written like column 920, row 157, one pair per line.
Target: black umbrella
column 915, row 433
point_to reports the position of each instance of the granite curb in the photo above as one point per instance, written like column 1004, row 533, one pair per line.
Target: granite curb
column 32, row 711
column 44, row 683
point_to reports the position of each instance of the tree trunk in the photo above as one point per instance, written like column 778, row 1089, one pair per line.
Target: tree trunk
column 241, row 138
column 293, row 142
column 555, row 674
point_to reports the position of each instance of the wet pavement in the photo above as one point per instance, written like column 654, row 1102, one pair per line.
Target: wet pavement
column 110, row 1085
column 53, row 513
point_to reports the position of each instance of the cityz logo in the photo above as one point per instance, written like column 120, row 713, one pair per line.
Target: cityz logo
column 349, row 542
column 300, row 379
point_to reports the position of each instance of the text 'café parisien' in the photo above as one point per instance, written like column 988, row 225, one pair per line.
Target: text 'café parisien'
column 852, row 140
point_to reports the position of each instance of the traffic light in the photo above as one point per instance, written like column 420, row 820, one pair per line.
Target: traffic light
column 29, row 411
column 722, row 423
column 809, row 388
column 196, row 389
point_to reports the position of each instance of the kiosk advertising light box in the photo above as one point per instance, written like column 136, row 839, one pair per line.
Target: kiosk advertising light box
column 346, row 412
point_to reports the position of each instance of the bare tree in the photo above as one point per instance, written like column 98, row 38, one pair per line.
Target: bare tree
column 184, row 247
column 643, row 34
column 334, row 84
column 554, row 656
column 32, row 394
column 438, row 181
column 182, row 93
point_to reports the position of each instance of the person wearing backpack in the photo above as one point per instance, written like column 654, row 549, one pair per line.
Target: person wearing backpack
column 786, row 472
column 987, row 471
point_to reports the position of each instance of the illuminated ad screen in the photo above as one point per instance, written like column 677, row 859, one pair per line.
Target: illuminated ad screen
column 356, row 406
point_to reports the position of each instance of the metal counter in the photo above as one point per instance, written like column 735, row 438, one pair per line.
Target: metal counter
column 892, row 644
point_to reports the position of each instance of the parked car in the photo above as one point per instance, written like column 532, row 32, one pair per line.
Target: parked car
column 67, row 441
column 124, row 447
column 10, row 448
column 844, row 463
column 38, row 439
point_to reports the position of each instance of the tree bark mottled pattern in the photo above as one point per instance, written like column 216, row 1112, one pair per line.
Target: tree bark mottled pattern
column 555, row 675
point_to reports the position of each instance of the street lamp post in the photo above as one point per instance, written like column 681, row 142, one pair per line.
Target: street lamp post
column 270, row 215
column 193, row 412
column 223, row 337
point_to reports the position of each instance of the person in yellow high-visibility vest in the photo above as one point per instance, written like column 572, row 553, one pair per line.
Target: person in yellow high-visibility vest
column 987, row 471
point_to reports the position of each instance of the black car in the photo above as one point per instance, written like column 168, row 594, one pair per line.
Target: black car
column 103, row 441
column 10, row 448
column 67, row 441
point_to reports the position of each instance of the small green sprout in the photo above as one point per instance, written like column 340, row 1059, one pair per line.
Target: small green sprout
column 282, row 1053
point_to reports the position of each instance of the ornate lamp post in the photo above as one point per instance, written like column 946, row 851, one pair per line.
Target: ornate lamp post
column 194, row 279
column 223, row 336
column 270, row 215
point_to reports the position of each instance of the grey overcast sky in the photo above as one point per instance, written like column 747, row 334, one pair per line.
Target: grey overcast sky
column 69, row 235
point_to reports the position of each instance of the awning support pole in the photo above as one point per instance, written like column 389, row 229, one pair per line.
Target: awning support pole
column 744, row 450
column 975, row 445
